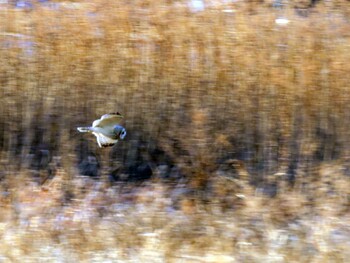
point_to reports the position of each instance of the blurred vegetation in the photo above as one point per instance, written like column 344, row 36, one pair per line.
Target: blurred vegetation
column 203, row 94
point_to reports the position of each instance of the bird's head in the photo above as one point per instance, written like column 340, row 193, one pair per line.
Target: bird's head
column 120, row 131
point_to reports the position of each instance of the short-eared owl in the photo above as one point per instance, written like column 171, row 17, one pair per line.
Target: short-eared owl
column 107, row 129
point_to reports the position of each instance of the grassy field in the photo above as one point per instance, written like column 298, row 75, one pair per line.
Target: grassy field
column 244, row 123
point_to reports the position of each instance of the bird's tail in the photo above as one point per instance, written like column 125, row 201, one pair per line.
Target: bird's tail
column 84, row 129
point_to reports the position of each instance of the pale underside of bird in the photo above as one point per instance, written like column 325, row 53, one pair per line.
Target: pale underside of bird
column 107, row 129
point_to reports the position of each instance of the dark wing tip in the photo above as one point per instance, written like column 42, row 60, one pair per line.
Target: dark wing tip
column 115, row 113
column 107, row 145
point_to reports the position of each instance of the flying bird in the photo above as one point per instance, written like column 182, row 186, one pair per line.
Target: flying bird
column 107, row 129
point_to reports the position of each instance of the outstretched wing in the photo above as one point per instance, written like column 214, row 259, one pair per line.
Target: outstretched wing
column 104, row 141
column 108, row 120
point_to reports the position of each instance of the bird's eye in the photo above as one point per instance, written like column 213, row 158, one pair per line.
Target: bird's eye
column 122, row 134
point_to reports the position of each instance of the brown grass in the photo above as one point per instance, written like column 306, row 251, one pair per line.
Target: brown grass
column 253, row 118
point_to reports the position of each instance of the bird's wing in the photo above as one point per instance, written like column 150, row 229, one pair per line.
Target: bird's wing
column 108, row 119
column 104, row 141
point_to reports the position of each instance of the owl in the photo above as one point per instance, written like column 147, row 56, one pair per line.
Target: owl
column 107, row 129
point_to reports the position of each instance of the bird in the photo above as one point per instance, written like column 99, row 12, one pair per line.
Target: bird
column 106, row 129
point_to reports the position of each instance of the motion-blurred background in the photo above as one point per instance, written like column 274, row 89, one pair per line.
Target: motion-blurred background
column 238, row 120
